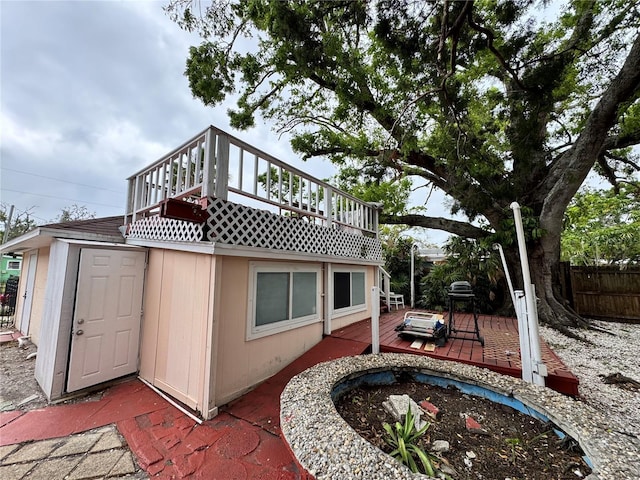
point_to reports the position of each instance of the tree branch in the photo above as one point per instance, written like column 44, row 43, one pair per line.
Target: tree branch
column 490, row 37
column 567, row 174
column 608, row 172
column 622, row 141
column 462, row 229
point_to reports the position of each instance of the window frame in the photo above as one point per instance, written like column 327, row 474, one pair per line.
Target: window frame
column 361, row 307
column 10, row 262
column 254, row 331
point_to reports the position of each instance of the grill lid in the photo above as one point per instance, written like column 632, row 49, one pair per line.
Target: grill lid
column 460, row 287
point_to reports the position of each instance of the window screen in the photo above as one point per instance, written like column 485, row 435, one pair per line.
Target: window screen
column 304, row 294
column 283, row 296
column 272, row 298
column 341, row 290
column 348, row 289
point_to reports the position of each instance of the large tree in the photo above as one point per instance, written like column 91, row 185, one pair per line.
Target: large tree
column 21, row 221
column 489, row 101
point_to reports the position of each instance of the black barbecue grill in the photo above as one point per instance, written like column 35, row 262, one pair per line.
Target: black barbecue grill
column 461, row 292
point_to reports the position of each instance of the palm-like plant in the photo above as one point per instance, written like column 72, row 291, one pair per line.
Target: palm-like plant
column 403, row 440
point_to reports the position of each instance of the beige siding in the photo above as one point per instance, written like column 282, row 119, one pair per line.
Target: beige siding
column 242, row 364
column 39, row 287
column 174, row 331
column 22, row 285
column 177, row 339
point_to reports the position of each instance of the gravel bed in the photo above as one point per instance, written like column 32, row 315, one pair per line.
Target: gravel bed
column 618, row 352
column 327, row 447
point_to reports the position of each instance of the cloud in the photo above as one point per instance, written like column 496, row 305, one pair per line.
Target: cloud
column 92, row 92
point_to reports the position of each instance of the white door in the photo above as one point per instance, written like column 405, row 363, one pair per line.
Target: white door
column 106, row 324
column 27, row 298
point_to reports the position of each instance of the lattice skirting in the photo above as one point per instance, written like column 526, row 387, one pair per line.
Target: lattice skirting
column 235, row 224
column 167, row 229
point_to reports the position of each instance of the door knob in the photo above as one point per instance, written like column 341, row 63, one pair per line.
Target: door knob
column 81, row 321
column 79, row 332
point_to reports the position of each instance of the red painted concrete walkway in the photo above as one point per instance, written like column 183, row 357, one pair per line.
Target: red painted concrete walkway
column 242, row 442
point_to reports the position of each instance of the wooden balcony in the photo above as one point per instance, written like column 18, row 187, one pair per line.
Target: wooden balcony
column 244, row 190
column 499, row 353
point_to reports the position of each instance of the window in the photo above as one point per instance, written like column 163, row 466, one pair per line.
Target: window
column 349, row 290
column 13, row 265
column 282, row 296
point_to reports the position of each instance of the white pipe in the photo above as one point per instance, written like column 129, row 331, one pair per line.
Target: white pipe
column 413, row 286
column 525, row 340
column 507, row 274
column 172, row 402
column 519, row 305
column 375, row 320
column 532, row 310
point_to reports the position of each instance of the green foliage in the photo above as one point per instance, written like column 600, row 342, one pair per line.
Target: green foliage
column 403, row 440
column 469, row 260
column 75, row 212
column 603, row 227
column 21, row 222
column 397, row 255
column 480, row 112
column 487, row 101
column 372, row 185
column 271, row 182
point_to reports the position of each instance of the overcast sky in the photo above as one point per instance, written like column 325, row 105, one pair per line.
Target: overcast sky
column 93, row 91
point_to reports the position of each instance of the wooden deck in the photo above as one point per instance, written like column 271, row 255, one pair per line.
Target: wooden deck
column 500, row 353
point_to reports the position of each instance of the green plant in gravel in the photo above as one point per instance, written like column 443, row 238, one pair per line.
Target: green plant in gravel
column 403, row 439
column 515, row 443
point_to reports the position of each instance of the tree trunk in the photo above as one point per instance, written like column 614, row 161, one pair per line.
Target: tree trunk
column 544, row 265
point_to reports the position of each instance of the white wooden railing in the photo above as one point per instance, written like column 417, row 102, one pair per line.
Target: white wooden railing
column 384, row 283
column 216, row 164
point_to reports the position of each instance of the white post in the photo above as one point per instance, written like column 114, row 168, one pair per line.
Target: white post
column 507, row 274
column 328, row 287
column 539, row 369
column 209, row 180
column 413, row 286
column 222, row 167
column 328, row 194
column 525, row 341
column 375, row 320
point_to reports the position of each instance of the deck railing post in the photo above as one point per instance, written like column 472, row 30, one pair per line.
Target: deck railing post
column 138, row 195
column 128, row 212
column 376, row 208
column 222, row 167
column 328, row 195
column 209, row 167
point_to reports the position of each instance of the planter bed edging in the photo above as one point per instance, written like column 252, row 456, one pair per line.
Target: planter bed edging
column 328, row 448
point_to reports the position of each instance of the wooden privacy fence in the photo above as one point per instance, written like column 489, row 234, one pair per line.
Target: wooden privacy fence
column 605, row 292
